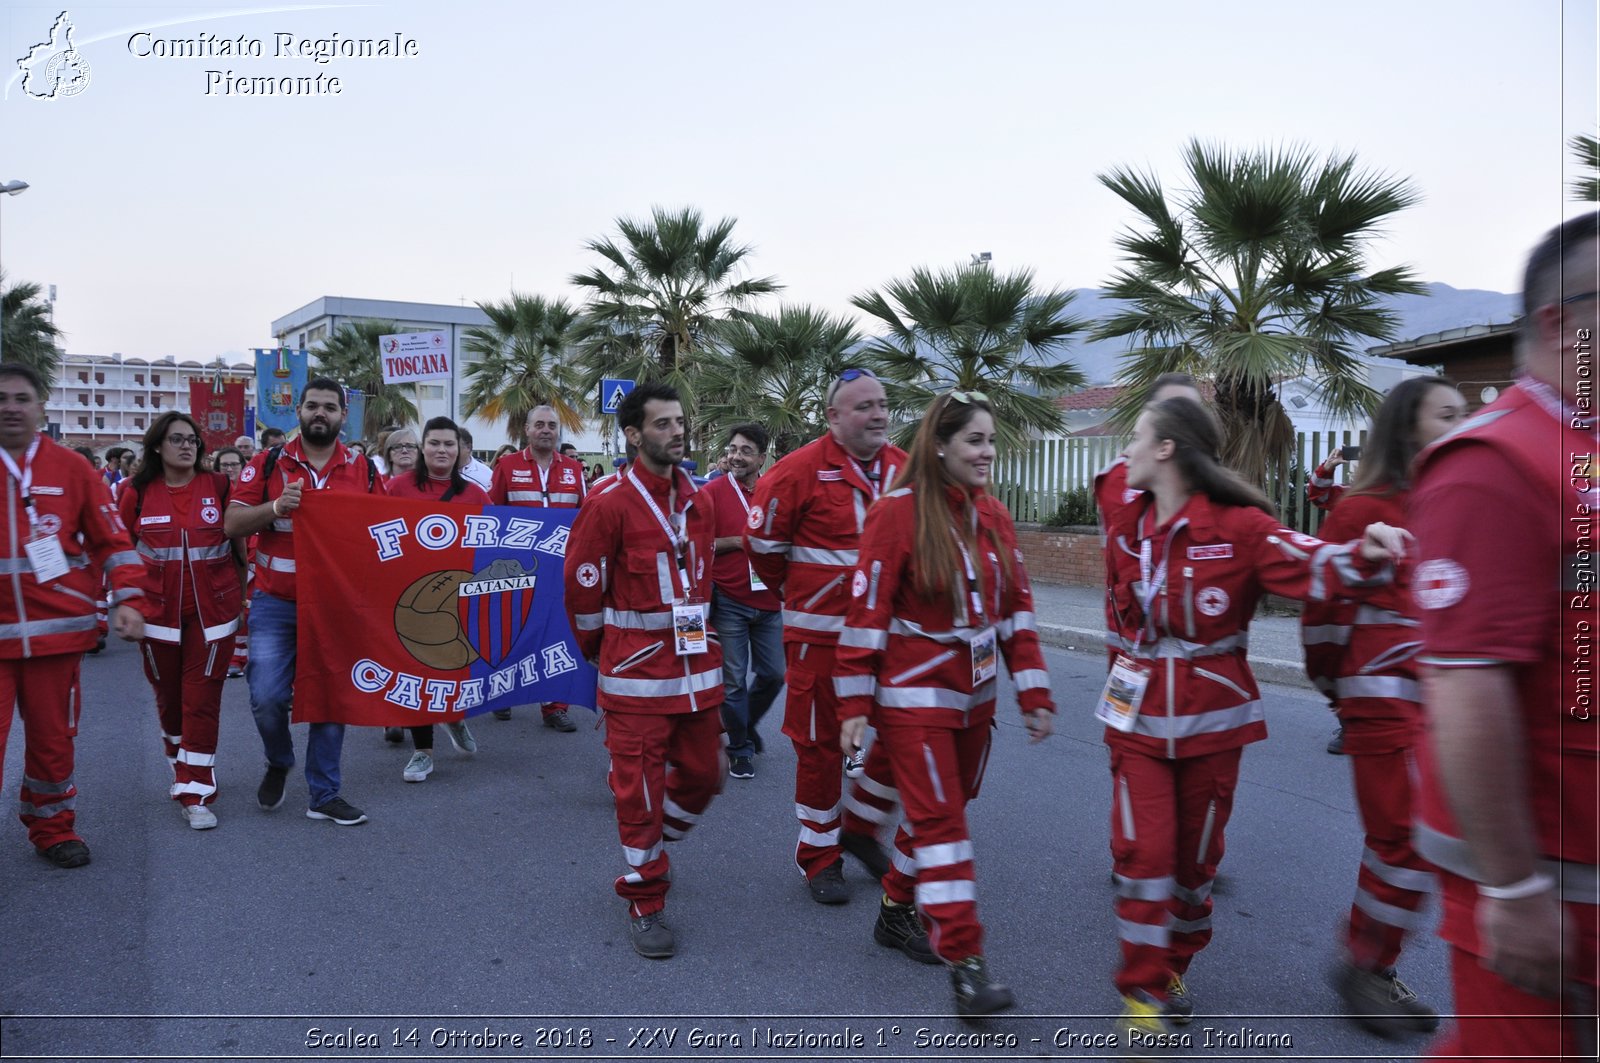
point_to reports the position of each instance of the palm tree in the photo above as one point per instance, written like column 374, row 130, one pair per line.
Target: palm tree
column 350, row 356
column 27, row 333
column 523, row 363
column 775, row 370
column 662, row 297
column 1254, row 274
column 973, row 329
column 1586, row 149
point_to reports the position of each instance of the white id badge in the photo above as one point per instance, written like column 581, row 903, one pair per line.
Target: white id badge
column 689, row 629
column 983, row 657
column 48, row 559
column 756, row 582
column 1124, row 691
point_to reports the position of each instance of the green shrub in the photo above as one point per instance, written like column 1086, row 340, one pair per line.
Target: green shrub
column 1077, row 508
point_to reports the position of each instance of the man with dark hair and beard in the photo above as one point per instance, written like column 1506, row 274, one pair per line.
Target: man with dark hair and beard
column 270, row 489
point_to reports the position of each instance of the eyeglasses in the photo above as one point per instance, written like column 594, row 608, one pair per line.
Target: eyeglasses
column 844, row 378
column 229, row 465
column 967, row 398
column 184, row 441
column 404, row 446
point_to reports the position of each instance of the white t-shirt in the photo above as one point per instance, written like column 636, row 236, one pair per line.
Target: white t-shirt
column 478, row 473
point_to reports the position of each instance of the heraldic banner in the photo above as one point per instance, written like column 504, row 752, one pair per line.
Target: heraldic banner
column 280, row 378
column 416, row 612
column 218, row 407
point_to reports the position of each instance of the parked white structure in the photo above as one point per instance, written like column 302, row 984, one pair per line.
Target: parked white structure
column 101, row 399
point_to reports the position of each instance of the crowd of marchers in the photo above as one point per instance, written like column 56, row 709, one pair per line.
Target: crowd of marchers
column 881, row 590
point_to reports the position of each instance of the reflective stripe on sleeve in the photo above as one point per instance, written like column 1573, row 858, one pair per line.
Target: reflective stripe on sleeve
column 854, row 686
column 812, row 621
column 1031, row 679
column 811, row 555
column 1377, row 686
column 864, row 638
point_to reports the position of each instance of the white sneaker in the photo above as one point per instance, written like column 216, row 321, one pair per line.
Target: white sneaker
column 461, row 737
column 198, row 816
column 855, row 764
column 419, row 767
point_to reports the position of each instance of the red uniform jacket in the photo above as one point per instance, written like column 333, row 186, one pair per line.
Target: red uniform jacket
column 1218, row 560
column 805, row 523
column 912, row 656
column 1321, row 491
column 405, row 486
column 1363, row 655
column 71, row 503
column 345, row 471
column 1518, row 479
column 622, row 578
column 518, row 481
column 189, row 566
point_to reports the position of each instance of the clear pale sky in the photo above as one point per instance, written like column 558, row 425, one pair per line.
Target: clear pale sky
column 853, row 141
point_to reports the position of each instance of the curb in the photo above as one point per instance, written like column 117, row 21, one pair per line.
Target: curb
column 1085, row 640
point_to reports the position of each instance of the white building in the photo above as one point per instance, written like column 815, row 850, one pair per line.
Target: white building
column 309, row 326
column 99, row 399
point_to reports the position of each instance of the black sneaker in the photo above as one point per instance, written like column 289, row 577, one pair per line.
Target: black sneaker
column 976, row 992
column 1380, row 1003
column 559, row 721
column 394, row 734
column 270, row 794
column 1336, row 743
column 502, row 714
column 339, row 810
column 651, row 937
column 899, row 927
column 71, row 853
column 828, row 887
column 741, row 767
column 1178, row 1009
column 865, row 847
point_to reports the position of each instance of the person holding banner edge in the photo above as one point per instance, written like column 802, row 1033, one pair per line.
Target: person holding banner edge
column 638, row 584
column 265, row 503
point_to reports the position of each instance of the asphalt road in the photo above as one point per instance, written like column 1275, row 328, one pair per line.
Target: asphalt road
column 476, row 909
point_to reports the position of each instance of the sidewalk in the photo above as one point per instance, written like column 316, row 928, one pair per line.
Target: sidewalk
column 1073, row 618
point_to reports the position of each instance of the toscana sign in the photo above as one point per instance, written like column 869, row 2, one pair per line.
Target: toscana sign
column 413, row 356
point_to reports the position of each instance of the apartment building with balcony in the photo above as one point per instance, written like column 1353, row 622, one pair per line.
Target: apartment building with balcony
column 99, row 399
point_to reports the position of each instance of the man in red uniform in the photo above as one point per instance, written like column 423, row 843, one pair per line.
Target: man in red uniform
column 746, row 614
column 539, row 477
column 270, row 489
column 638, row 591
column 54, row 499
column 802, row 534
column 1509, row 792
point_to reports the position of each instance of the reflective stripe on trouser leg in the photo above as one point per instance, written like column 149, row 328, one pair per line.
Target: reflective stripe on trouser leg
column 45, row 690
column 1204, row 791
column 900, row 884
column 872, row 801
column 941, row 848
column 1143, row 851
column 1393, row 882
column 810, row 723
column 694, row 770
column 241, row 637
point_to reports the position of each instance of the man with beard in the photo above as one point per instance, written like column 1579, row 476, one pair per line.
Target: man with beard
column 745, row 613
column 270, row 489
column 638, row 584
column 538, row 476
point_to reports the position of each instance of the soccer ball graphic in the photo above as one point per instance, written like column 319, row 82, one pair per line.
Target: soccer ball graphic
column 429, row 626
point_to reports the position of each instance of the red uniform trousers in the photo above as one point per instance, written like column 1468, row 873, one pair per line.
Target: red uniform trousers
column 665, row 769
column 241, row 638
column 1167, row 823
column 1496, row 1021
column 810, row 719
column 46, row 693
column 1393, row 882
column 939, row 770
column 187, row 679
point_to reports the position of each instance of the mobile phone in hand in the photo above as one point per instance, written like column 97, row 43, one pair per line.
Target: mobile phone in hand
column 1351, row 453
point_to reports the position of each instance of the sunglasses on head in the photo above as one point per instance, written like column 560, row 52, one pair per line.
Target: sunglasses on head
column 845, row 377
column 967, row 398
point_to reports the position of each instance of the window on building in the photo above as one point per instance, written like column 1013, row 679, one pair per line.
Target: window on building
column 302, row 341
column 317, row 334
column 430, row 391
column 99, row 422
column 83, row 422
column 99, row 400
column 138, row 400
column 83, row 376
column 155, row 380
column 138, row 422
column 156, row 401
column 99, row 378
column 83, row 398
column 138, row 378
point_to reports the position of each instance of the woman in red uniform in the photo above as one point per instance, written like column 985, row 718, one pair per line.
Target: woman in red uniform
column 436, row 476
column 939, row 594
column 193, row 594
column 1363, row 657
column 1188, row 562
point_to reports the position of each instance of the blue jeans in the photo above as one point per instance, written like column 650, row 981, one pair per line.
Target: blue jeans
column 747, row 634
column 270, row 674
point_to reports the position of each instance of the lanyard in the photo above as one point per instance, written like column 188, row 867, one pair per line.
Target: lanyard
column 873, row 476
column 544, row 480
column 1156, row 580
column 676, row 538
column 744, row 503
column 317, row 482
column 24, row 476
column 974, row 587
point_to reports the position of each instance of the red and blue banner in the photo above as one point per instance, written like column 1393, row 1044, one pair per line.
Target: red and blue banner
column 217, row 405
column 417, row 612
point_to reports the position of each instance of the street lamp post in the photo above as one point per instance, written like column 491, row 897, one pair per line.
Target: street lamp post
column 10, row 188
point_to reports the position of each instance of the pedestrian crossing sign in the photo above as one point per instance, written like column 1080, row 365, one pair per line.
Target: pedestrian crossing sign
column 612, row 392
